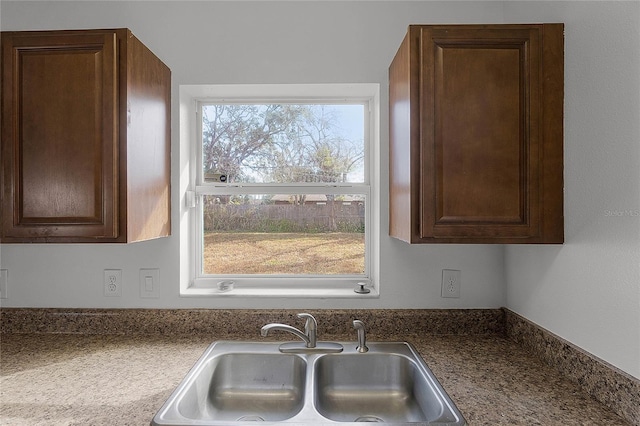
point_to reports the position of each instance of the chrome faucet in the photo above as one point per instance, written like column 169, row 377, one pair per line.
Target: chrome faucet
column 310, row 330
column 362, row 336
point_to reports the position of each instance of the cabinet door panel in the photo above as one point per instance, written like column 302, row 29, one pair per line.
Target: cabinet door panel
column 63, row 131
column 483, row 148
column 476, row 134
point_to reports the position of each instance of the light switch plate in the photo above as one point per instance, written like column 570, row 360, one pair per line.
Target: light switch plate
column 150, row 283
column 4, row 283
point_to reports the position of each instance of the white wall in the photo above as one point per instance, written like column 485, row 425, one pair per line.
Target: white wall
column 250, row 42
column 588, row 290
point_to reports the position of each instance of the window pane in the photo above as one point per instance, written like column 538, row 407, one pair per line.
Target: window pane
column 306, row 234
column 283, row 143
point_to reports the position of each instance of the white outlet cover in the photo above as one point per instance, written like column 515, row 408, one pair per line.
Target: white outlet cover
column 112, row 282
column 451, row 283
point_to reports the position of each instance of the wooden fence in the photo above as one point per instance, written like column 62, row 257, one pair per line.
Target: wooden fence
column 329, row 217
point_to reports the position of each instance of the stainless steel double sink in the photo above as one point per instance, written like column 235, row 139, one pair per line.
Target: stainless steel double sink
column 236, row 383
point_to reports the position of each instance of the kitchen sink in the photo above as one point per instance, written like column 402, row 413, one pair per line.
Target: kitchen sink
column 240, row 383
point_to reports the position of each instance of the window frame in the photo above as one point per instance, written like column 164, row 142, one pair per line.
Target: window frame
column 271, row 285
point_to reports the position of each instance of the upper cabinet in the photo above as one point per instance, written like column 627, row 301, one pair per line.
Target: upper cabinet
column 85, row 138
column 476, row 134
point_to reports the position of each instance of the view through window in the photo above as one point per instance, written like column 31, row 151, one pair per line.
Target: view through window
column 283, row 189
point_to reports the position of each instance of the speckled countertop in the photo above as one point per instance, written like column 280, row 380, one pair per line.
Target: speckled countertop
column 108, row 379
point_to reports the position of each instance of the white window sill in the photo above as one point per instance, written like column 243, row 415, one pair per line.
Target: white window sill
column 244, row 290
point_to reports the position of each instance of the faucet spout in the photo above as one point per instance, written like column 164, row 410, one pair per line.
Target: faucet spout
column 264, row 331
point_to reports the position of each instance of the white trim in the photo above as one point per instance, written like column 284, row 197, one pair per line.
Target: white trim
column 291, row 92
column 282, row 285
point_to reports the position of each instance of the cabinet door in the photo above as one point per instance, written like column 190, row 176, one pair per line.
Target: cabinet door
column 482, row 164
column 59, row 136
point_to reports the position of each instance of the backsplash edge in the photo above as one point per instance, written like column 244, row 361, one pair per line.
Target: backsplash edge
column 607, row 384
column 241, row 322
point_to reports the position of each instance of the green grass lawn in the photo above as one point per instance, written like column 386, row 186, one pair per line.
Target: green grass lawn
column 283, row 253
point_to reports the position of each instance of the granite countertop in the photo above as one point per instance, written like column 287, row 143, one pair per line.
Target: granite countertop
column 89, row 379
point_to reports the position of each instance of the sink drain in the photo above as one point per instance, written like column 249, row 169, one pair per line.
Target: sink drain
column 250, row 419
column 369, row 419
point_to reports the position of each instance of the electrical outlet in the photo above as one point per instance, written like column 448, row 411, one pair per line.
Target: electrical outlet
column 113, row 282
column 4, row 283
column 450, row 283
column 150, row 283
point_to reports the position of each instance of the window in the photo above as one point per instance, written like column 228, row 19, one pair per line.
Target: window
column 281, row 194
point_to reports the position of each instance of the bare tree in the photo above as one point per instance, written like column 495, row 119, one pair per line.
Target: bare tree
column 235, row 138
column 314, row 151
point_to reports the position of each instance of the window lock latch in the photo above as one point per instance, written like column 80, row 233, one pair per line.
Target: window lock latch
column 190, row 199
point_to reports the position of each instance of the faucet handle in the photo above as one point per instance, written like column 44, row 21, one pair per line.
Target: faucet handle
column 310, row 327
column 310, row 323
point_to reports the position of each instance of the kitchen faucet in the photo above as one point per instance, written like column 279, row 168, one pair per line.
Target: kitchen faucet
column 310, row 329
column 309, row 337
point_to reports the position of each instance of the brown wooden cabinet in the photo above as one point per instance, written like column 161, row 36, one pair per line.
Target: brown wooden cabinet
column 85, row 138
column 476, row 134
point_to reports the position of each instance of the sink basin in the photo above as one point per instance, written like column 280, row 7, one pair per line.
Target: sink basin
column 245, row 386
column 375, row 388
column 239, row 383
